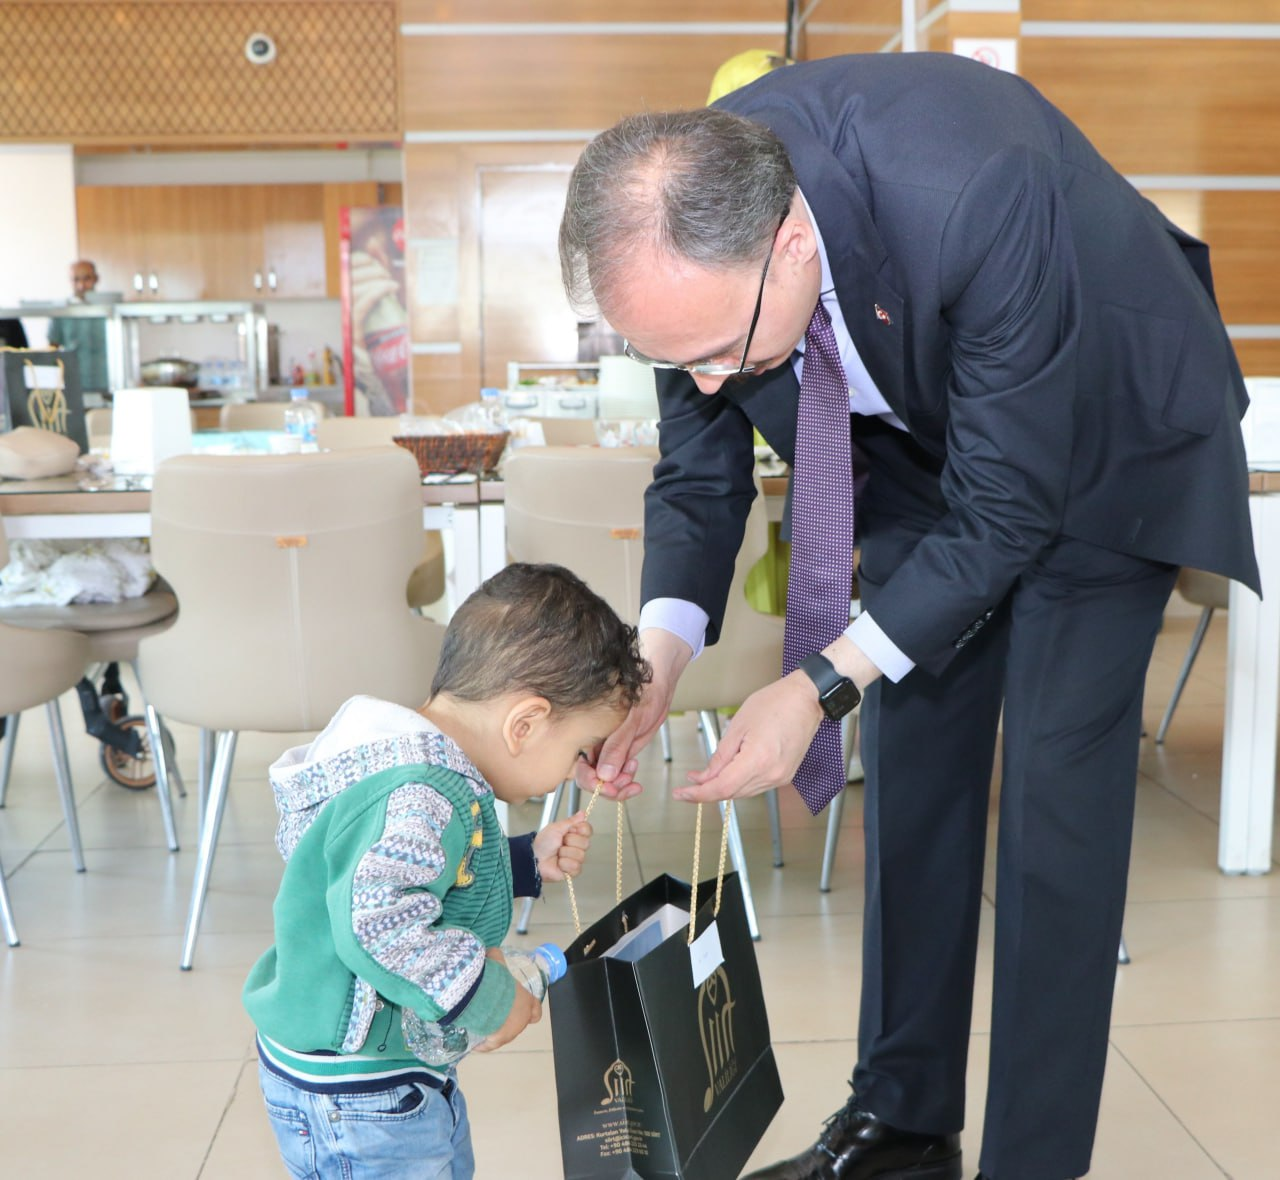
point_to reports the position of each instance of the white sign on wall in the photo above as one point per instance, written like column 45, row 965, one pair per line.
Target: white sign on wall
column 1000, row 52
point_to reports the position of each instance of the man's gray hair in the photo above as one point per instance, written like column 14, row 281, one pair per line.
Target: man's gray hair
column 703, row 185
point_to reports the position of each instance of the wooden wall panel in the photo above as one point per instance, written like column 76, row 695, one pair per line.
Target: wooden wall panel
column 1235, row 11
column 175, row 73
column 1243, row 232
column 1164, row 105
column 558, row 11
column 1258, row 358
column 446, row 186
column 476, row 83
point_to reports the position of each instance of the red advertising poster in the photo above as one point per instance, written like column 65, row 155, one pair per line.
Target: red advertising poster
column 375, row 322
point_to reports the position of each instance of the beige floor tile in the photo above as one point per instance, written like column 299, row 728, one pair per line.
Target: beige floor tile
column 1220, row 1081
column 244, row 1147
column 1200, row 960
column 115, row 1121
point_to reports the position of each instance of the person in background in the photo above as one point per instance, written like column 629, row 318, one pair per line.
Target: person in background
column 86, row 337
column 977, row 342
column 398, row 884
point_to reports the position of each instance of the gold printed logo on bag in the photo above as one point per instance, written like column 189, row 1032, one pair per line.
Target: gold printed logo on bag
column 618, row 1084
column 715, row 1024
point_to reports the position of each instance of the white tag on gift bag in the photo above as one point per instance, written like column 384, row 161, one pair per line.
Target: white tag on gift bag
column 705, row 954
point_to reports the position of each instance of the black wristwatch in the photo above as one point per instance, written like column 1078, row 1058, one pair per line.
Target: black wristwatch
column 838, row 695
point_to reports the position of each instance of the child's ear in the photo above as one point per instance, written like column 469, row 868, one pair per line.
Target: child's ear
column 524, row 721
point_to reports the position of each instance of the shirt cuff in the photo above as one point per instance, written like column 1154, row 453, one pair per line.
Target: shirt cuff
column 879, row 648
column 683, row 619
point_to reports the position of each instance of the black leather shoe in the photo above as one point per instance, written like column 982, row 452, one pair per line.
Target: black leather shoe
column 855, row 1145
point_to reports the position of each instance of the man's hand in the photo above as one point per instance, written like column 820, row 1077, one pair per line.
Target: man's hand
column 524, row 1012
column 561, row 847
column 763, row 744
column 616, row 762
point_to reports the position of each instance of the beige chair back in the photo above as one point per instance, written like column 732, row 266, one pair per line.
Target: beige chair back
column 342, row 433
column 257, row 415
column 291, row 573
column 584, row 509
column 568, row 432
column 97, row 423
column 427, row 584
column 1203, row 588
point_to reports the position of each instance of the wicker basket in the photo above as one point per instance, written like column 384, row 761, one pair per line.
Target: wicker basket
column 437, row 453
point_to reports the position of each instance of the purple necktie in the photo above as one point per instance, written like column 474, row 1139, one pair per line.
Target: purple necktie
column 821, row 578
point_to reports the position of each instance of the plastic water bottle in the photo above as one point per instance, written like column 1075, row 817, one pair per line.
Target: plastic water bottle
column 301, row 419
column 534, row 970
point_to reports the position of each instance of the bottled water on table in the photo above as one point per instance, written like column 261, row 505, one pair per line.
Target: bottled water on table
column 534, row 970
column 301, row 419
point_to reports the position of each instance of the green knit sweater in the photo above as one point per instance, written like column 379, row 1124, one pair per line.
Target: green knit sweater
column 387, row 901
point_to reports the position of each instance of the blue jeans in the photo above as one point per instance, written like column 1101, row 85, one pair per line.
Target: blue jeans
column 405, row 1132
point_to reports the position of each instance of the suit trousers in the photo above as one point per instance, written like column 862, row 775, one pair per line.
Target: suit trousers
column 1064, row 657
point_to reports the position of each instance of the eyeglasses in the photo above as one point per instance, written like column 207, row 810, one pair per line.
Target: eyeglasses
column 714, row 370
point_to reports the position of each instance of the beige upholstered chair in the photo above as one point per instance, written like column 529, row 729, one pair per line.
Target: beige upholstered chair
column 291, row 571
column 1212, row 592
column 426, row 584
column 39, row 666
column 257, row 415
column 584, row 508
column 97, row 424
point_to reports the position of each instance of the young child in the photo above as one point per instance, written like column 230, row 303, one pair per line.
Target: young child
column 398, row 886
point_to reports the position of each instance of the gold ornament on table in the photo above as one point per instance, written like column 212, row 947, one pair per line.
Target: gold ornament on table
column 47, row 408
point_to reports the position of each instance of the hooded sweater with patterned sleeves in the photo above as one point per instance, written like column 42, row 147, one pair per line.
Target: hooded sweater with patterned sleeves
column 397, row 880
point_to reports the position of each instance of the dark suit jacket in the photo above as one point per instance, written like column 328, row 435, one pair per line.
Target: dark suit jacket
column 1049, row 335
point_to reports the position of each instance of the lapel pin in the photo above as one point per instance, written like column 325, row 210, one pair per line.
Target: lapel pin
column 882, row 315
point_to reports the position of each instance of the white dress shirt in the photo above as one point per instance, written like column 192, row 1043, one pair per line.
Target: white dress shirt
column 689, row 621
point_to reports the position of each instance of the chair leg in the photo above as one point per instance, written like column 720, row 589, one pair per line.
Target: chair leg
column 62, row 771
column 710, row 727
column 10, row 742
column 209, row 828
column 205, row 768
column 550, row 808
column 834, row 814
column 160, row 759
column 1194, row 650
column 775, row 825
column 1123, row 957
column 6, row 913
column 664, row 733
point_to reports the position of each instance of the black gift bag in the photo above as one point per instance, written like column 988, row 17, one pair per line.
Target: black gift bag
column 660, row 1073
column 41, row 388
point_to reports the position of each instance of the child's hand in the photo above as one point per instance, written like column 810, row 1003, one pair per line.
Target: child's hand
column 560, row 848
column 524, row 1012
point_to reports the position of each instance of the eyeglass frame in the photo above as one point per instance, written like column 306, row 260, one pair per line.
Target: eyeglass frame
column 710, row 370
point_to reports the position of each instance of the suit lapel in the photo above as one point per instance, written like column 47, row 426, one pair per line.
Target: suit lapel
column 874, row 310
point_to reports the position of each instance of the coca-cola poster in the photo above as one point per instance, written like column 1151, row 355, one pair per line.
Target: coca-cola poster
column 375, row 322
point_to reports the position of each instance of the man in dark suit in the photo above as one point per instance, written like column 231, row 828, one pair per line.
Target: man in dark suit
column 1045, row 406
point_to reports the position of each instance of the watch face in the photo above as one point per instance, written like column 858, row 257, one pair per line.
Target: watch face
column 840, row 699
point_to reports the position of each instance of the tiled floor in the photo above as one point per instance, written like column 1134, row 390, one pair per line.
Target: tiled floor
column 114, row 1064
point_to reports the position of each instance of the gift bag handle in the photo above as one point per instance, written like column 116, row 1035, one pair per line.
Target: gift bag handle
column 697, row 853
column 573, row 900
column 697, row 849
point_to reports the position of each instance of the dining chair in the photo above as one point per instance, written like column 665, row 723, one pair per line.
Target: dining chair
column 1211, row 592
column 39, row 666
column 583, row 508
column 339, row 433
column 291, row 571
column 258, row 415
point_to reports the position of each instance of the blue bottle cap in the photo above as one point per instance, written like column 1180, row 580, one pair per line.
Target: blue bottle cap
column 557, row 964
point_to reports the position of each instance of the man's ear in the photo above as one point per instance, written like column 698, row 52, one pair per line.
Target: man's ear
column 525, row 720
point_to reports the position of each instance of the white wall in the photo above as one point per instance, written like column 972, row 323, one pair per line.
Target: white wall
column 37, row 222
